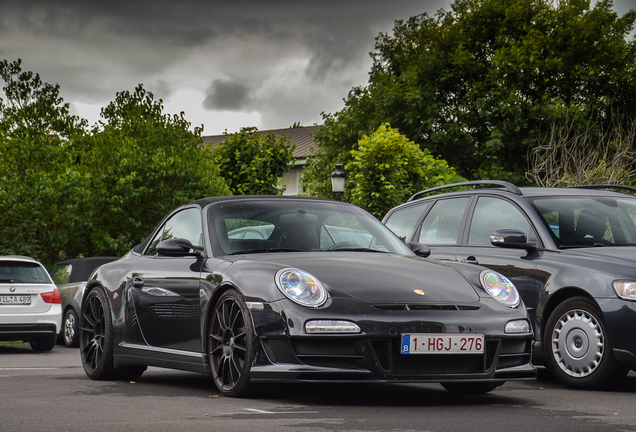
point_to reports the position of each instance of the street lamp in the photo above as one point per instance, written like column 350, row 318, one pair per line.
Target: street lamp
column 338, row 179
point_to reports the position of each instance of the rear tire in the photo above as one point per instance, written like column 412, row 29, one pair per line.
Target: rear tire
column 96, row 337
column 471, row 388
column 70, row 330
column 43, row 344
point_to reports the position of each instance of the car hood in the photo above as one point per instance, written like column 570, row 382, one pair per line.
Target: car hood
column 618, row 254
column 379, row 277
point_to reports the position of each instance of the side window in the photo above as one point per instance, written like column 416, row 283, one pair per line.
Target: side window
column 442, row 224
column 61, row 274
column 186, row 225
column 492, row 214
column 403, row 221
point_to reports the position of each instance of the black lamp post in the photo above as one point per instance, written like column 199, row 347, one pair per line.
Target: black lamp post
column 338, row 179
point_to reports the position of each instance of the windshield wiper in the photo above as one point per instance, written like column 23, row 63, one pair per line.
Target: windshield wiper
column 357, row 249
column 582, row 246
column 7, row 280
column 250, row 251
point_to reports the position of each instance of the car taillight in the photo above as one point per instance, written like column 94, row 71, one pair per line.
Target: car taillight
column 52, row 297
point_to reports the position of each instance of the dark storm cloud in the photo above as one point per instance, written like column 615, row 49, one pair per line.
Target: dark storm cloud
column 285, row 60
column 335, row 32
column 226, row 95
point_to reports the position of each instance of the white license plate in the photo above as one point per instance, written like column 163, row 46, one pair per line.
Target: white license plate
column 15, row 299
column 442, row 343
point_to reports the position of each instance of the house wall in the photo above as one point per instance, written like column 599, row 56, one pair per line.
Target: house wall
column 292, row 181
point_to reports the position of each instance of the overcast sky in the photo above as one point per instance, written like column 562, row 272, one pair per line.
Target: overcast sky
column 226, row 64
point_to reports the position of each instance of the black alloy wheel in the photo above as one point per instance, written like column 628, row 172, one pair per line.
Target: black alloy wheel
column 471, row 388
column 231, row 345
column 96, row 337
column 70, row 330
column 96, row 342
column 577, row 347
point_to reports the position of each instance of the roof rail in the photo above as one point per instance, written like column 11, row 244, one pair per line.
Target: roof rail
column 507, row 185
column 617, row 187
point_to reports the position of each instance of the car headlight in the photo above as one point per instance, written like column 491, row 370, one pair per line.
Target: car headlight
column 500, row 288
column 625, row 289
column 301, row 287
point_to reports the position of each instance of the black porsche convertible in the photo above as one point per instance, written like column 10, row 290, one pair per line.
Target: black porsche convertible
column 255, row 289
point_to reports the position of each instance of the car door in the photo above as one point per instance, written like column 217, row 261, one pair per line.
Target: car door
column 492, row 213
column 442, row 227
column 164, row 296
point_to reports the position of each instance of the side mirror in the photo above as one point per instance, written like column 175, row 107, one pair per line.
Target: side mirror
column 511, row 238
column 178, row 247
column 419, row 249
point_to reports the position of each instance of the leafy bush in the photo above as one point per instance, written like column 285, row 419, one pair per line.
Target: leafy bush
column 253, row 163
column 387, row 168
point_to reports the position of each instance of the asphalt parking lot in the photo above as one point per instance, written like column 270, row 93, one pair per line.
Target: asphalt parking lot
column 50, row 392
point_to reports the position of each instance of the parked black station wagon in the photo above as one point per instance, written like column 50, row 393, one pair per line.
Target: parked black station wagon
column 263, row 289
column 571, row 252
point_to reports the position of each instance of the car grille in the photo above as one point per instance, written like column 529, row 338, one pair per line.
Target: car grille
column 412, row 307
column 384, row 355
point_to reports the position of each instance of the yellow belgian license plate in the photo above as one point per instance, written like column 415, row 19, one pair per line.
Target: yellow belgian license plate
column 15, row 299
column 442, row 343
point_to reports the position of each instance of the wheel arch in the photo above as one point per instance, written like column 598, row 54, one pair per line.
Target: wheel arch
column 218, row 293
column 559, row 297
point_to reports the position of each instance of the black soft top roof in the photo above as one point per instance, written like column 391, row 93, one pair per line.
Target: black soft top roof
column 83, row 267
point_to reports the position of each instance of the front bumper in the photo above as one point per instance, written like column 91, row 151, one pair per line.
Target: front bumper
column 287, row 353
column 361, row 359
column 620, row 317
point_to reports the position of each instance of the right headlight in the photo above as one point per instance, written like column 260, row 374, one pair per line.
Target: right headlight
column 625, row 289
column 500, row 288
column 301, row 287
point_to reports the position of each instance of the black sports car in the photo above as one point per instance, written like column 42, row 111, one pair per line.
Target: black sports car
column 314, row 291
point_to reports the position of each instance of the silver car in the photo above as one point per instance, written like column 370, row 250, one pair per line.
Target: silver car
column 30, row 303
column 71, row 276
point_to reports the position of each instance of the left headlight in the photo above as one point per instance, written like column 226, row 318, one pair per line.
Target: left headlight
column 500, row 288
column 625, row 289
column 301, row 287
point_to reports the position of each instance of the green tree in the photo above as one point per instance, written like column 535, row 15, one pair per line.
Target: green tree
column 253, row 163
column 37, row 135
column 387, row 168
column 479, row 84
column 66, row 191
column 140, row 164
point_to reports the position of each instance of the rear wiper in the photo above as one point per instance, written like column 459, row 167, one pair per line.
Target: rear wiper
column 250, row 251
column 7, row 280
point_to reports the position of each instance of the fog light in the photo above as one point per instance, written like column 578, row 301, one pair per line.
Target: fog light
column 520, row 326
column 331, row 326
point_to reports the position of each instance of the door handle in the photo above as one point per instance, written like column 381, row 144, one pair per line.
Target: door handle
column 470, row 260
column 138, row 282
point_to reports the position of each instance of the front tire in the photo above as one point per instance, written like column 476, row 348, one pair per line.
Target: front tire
column 578, row 349
column 231, row 345
column 70, row 330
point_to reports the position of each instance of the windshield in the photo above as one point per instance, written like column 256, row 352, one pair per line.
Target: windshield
column 271, row 225
column 586, row 222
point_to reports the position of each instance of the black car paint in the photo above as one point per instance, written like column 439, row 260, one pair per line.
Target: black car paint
column 547, row 275
column 171, row 332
